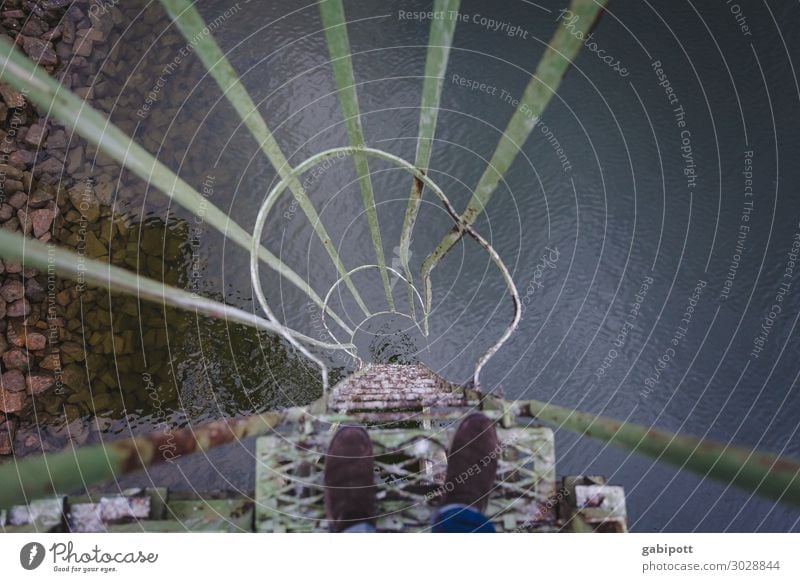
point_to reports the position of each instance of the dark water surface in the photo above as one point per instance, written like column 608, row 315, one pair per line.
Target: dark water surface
column 655, row 250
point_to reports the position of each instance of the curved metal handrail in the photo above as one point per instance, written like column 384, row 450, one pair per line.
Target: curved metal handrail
column 461, row 225
column 341, row 279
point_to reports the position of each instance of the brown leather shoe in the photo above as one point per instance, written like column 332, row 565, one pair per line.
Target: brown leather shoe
column 472, row 463
column 350, row 479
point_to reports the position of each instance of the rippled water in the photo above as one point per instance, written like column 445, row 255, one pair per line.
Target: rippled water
column 611, row 241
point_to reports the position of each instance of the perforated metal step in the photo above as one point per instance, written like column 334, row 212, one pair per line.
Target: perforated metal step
column 410, row 467
column 392, row 387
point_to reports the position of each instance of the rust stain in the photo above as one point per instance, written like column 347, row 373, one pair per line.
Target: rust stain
column 165, row 446
column 779, row 465
column 418, row 185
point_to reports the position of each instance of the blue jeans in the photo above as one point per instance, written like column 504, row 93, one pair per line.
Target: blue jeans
column 452, row 518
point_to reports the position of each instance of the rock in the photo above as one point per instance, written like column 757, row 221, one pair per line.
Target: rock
column 68, row 34
column 12, row 291
column 12, row 381
column 72, row 412
column 7, row 145
column 94, row 248
column 34, row 291
column 6, row 212
column 8, row 429
column 85, row 93
column 57, row 140
column 18, row 200
column 10, row 172
column 104, row 192
column 51, row 361
column 16, row 359
column 103, row 403
column 34, row 27
column 12, row 225
column 16, row 333
column 82, row 47
column 41, row 196
column 25, row 223
column 64, row 297
column 75, row 377
column 21, row 158
column 35, row 341
column 73, row 352
column 83, row 199
column 74, row 159
column 11, row 402
column 52, row 34
column 114, row 344
column 39, row 382
column 91, row 34
column 55, row 4
column 49, row 167
column 13, row 266
column 72, row 216
column 41, row 220
column 71, row 313
column 40, row 51
column 37, row 133
column 13, row 99
column 64, row 52
column 20, row 308
column 102, row 21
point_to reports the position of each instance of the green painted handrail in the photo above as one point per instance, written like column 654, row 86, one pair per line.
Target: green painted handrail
column 332, row 13
column 194, row 29
column 21, row 73
column 440, row 40
column 763, row 473
column 73, row 470
column 563, row 48
column 66, row 263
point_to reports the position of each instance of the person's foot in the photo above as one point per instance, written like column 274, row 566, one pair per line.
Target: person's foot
column 472, row 463
column 349, row 479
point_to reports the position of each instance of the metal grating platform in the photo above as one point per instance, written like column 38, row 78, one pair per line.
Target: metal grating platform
column 410, row 467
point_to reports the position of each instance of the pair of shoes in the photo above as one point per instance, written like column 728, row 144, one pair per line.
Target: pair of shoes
column 350, row 478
